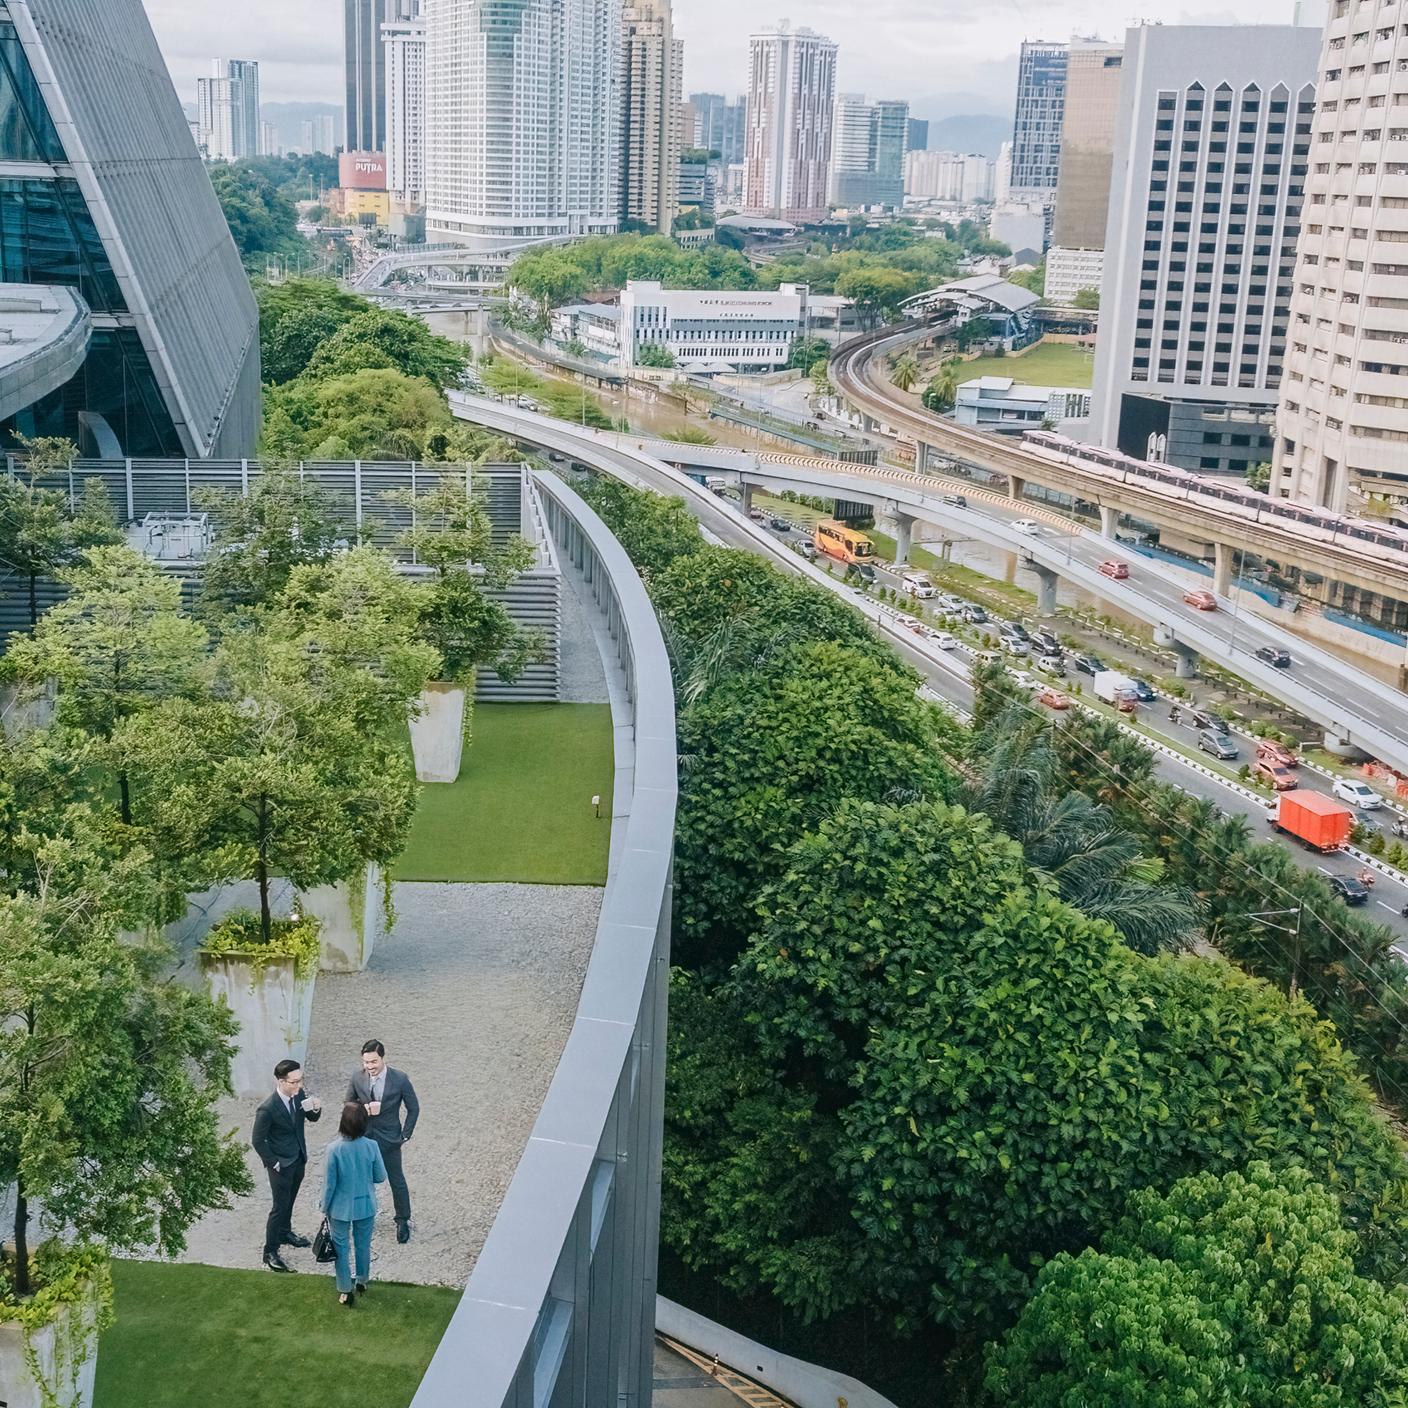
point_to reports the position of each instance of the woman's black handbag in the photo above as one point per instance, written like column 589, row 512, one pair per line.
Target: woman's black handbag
column 323, row 1249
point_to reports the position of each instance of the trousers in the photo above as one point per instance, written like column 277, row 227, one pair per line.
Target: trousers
column 284, row 1184
column 349, row 1235
column 396, row 1177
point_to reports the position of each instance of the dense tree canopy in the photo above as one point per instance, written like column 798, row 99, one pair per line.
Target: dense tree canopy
column 261, row 217
column 1231, row 1291
column 373, row 414
column 924, row 1079
column 654, row 530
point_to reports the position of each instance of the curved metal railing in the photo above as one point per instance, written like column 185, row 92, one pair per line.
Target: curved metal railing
column 560, row 1307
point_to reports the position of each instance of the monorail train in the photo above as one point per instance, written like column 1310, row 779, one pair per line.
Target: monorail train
column 1381, row 540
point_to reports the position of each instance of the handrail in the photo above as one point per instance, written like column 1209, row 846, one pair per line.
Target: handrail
column 566, row 1282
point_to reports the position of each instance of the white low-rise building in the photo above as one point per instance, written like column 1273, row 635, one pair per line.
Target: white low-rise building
column 1072, row 271
column 1007, row 406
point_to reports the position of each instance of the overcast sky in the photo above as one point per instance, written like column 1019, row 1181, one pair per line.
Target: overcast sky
column 945, row 56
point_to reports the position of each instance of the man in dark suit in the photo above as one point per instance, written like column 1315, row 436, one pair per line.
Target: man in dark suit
column 279, row 1142
column 386, row 1093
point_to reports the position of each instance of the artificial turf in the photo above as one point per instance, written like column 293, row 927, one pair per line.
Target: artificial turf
column 521, row 809
column 203, row 1337
column 1046, row 364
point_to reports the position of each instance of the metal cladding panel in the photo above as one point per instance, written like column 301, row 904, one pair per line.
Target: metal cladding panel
column 132, row 153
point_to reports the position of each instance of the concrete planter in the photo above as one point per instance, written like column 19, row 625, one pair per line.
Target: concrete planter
column 67, row 1354
column 351, row 917
column 437, row 732
column 274, row 1007
column 24, row 708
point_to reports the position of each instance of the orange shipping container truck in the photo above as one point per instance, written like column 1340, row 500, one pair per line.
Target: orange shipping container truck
column 1314, row 819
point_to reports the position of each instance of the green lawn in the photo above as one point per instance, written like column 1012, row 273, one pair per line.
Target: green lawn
column 202, row 1337
column 1047, row 364
column 521, row 809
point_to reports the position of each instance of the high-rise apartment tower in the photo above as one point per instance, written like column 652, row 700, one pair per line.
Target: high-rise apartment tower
column 1036, row 129
column 404, row 41
column 522, row 119
column 1205, row 207
column 1342, row 425
column 787, row 143
column 228, row 106
column 651, row 69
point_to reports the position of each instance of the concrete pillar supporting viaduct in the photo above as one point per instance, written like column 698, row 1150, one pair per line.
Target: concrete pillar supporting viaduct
column 1185, row 661
column 904, row 537
column 1223, row 554
column 747, row 490
column 1015, row 486
column 1109, row 520
column 1045, row 589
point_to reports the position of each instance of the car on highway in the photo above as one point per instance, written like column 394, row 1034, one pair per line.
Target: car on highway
column 863, row 571
column 1087, row 664
column 1350, row 890
column 974, row 614
column 945, row 641
column 1013, row 645
column 1274, row 655
column 1029, row 526
column 1278, row 775
column 1144, row 692
column 1205, row 718
column 919, row 584
column 1053, row 698
column 987, row 657
column 1219, row 745
column 1014, row 628
column 757, row 515
column 1052, row 665
column 1276, row 752
column 1023, row 679
column 1113, row 567
column 1047, row 641
column 1204, row 601
column 954, row 500
column 1357, row 794
column 946, row 601
column 527, row 403
column 780, row 524
column 807, row 549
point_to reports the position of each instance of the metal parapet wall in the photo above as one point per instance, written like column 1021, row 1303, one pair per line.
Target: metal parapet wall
column 559, row 1311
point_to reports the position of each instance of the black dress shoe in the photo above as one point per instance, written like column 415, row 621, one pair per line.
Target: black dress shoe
column 276, row 1263
column 403, row 1231
column 294, row 1240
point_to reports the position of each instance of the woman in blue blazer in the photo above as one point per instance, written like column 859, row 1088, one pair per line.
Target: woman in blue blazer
column 354, row 1168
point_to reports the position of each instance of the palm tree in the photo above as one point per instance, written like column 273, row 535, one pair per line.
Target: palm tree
column 906, row 372
column 942, row 390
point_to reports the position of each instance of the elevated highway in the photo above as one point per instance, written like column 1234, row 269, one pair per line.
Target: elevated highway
column 1333, row 552
column 1352, row 708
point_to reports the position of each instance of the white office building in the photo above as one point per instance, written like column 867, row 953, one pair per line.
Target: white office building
column 788, row 134
column 1210, row 163
column 522, row 119
column 404, row 43
column 1342, row 430
column 957, row 177
column 227, row 105
column 1005, row 406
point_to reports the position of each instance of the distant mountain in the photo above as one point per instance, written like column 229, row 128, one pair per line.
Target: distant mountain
column 983, row 133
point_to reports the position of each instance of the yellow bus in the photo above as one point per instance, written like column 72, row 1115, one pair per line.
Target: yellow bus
column 841, row 541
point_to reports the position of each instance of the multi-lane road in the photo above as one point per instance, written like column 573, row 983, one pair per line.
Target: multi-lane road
column 947, row 672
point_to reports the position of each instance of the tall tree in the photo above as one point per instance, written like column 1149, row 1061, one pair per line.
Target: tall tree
column 108, row 1072
column 1231, row 1291
column 118, row 644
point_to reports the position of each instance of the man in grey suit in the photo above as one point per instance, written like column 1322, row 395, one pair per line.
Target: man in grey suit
column 385, row 1093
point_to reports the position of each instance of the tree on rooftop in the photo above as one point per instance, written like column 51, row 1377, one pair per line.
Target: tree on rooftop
column 108, row 1071
column 41, row 530
column 1231, row 1291
column 118, row 644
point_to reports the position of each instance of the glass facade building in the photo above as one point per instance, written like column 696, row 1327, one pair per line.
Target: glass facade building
column 103, row 193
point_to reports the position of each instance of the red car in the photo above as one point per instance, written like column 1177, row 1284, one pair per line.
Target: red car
column 1277, row 753
column 1277, row 774
column 1204, row 601
column 1053, row 699
column 1113, row 567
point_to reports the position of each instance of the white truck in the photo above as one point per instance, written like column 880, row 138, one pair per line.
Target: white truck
column 1117, row 689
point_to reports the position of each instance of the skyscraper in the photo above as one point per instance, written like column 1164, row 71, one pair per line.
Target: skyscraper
column 228, row 106
column 318, row 134
column 1036, row 131
column 364, row 70
column 1205, row 206
column 868, row 143
column 1341, row 427
column 1076, row 258
column 916, row 135
column 115, row 204
column 787, row 143
column 404, row 40
column 651, row 69
column 720, row 125
column 522, row 119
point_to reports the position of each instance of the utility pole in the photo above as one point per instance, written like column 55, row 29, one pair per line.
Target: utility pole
column 1297, row 953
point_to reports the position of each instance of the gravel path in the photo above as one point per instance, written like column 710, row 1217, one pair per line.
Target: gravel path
column 581, row 678
column 473, row 995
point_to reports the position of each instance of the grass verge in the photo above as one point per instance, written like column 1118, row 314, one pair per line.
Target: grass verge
column 204, row 1337
column 521, row 808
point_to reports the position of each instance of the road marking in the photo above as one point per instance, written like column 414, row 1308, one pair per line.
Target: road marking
column 1324, row 870
column 1392, row 909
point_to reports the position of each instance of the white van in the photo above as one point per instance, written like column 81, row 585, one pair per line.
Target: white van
column 918, row 584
